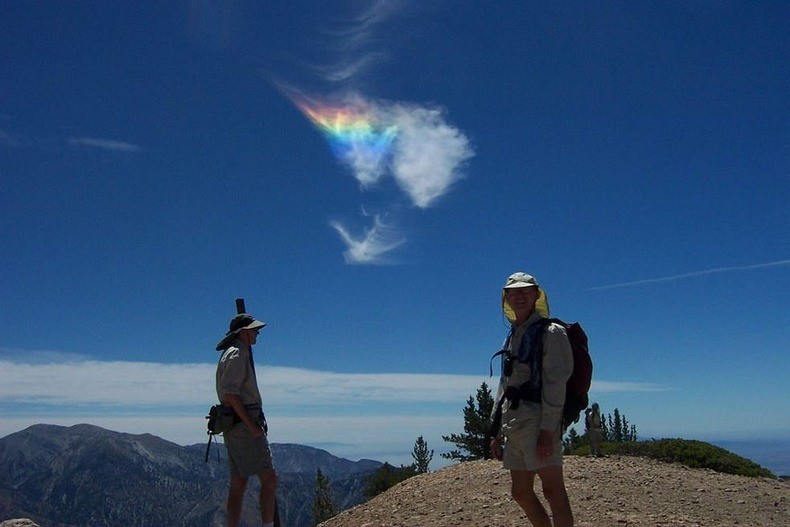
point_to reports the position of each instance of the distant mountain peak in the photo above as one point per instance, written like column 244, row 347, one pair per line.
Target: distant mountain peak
column 87, row 475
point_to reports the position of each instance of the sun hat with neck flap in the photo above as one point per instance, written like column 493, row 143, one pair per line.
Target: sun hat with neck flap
column 519, row 280
column 238, row 324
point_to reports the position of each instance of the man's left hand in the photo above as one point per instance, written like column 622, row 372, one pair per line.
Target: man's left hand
column 545, row 447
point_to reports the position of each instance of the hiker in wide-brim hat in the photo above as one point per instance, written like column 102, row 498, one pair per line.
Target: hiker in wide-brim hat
column 248, row 448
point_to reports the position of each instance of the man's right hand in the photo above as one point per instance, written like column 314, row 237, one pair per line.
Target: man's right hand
column 496, row 449
column 255, row 430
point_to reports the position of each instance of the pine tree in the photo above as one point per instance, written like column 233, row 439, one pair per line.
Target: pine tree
column 617, row 427
column 572, row 441
column 422, row 458
column 323, row 506
column 477, row 424
column 385, row 477
column 626, row 428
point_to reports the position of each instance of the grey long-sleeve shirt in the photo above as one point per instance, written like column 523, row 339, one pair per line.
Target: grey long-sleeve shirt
column 557, row 368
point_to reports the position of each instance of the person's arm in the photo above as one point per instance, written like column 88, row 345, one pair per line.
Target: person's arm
column 496, row 448
column 229, row 385
column 557, row 368
column 496, row 440
column 234, row 401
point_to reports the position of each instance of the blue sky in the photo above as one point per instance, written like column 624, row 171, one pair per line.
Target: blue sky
column 155, row 165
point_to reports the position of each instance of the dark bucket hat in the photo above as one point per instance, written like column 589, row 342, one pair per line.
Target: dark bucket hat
column 238, row 324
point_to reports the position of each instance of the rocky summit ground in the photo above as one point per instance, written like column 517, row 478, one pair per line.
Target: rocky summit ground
column 604, row 492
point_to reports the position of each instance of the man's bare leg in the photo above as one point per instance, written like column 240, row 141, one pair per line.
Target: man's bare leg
column 554, row 490
column 238, row 485
column 268, row 492
column 523, row 492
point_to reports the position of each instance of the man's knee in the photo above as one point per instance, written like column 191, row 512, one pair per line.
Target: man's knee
column 238, row 483
column 556, row 495
column 268, row 479
column 522, row 493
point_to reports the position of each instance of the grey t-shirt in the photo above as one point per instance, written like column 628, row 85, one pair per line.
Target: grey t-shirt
column 235, row 375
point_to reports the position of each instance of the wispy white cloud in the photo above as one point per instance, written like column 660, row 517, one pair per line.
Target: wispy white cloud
column 428, row 153
column 348, row 68
column 779, row 263
column 354, row 42
column 104, row 144
column 372, row 246
column 413, row 144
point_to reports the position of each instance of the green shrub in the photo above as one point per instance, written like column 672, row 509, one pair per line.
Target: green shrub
column 691, row 453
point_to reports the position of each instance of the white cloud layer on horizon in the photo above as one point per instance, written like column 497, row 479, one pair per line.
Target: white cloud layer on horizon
column 118, row 383
column 353, row 415
column 105, row 144
column 779, row 263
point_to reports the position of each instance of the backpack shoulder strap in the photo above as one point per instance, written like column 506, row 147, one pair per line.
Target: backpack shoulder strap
column 499, row 353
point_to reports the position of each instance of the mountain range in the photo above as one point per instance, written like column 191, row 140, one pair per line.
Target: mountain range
column 85, row 475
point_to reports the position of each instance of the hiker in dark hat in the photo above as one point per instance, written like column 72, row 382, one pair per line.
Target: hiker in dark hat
column 529, row 441
column 248, row 447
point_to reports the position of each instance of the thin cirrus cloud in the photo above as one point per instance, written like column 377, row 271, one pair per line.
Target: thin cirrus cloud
column 778, row 263
column 375, row 139
column 103, row 144
column 372, row 246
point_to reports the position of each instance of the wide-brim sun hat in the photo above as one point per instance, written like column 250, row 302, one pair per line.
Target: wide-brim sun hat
column 238, row 324
column 517, row 281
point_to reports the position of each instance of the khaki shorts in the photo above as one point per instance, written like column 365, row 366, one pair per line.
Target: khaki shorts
column 521, row 443
column 247, row 455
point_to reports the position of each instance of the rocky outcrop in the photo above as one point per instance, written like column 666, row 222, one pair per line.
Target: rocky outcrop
column 604, row 492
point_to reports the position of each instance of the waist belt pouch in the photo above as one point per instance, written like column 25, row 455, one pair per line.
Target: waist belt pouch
column 530, row 393
column 221, row 419
column 525, row 392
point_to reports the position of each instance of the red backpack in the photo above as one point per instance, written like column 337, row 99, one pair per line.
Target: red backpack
column 576, row 398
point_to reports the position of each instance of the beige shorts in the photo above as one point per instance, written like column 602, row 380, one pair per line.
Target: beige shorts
column 521, row 444
column 247, row 455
